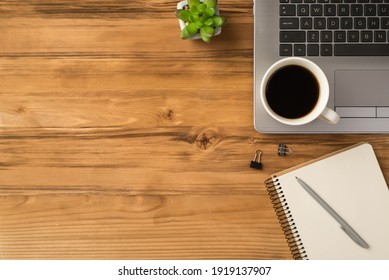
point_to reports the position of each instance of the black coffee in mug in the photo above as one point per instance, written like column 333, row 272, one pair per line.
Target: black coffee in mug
column 292, row 92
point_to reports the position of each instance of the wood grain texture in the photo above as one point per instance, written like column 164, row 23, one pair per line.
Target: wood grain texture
column 110, row 150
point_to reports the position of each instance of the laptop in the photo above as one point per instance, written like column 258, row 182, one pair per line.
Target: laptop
column 348, row 39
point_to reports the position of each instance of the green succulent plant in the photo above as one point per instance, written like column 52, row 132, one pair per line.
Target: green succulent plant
column 200, row 17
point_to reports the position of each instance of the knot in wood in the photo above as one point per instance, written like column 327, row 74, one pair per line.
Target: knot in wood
column 168, row 114
column 20, row 109
column 204, row 141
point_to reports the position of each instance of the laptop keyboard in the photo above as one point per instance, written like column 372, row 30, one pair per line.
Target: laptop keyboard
column 334, row 27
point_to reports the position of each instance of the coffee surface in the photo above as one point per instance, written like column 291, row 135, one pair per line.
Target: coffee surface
column 292, row 92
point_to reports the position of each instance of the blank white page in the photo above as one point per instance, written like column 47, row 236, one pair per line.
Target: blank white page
column 352, row 183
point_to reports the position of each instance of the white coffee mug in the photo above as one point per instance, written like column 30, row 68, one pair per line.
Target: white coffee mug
column 319, row 110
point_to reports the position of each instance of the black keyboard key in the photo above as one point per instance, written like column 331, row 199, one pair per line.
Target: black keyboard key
column 299, row 50
column 306, row 23
column 333, row 23
column 292, row 36
column 343, row 10
column 313, row 36
column 385, row 23
column 366, row 36
column 383, row 10
column 330, row 10
column 287, row 10
column 379, row 36
column 340, row 36
column 326, row 50
column 370, row 10
column 319, row 23
column 313, row 50
column 286, row 50
column 326, row 36
column 360, row 23
column 289, row 23
column 316, row 10
column 346, row 23
column 352, row 36
column 361, row 49
column 373, row 23
column 357, row 10
column 303, row 10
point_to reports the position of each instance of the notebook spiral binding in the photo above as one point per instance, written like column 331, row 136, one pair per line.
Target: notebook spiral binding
column 285, row 217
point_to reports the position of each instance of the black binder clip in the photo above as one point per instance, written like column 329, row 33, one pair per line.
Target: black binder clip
column 284, row 150
column 256, row 162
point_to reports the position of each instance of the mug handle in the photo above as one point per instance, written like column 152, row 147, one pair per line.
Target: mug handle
column 329, row 116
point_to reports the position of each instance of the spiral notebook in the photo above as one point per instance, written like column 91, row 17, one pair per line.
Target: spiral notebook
column 352, row 183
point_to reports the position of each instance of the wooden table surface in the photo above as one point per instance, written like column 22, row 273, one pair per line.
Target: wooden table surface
column 118, row 140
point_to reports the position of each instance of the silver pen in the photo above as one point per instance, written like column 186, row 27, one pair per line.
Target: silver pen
column 343, row 224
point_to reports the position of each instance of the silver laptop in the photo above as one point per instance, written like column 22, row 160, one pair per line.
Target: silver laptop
column 348, row 39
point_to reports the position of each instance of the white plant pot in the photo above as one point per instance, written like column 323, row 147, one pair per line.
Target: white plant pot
column 181, row 6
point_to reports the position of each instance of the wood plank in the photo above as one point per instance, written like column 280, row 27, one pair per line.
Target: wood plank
column 143, row 227
column 79, row 92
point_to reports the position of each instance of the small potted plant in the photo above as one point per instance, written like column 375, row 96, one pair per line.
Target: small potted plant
column 199, row 19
